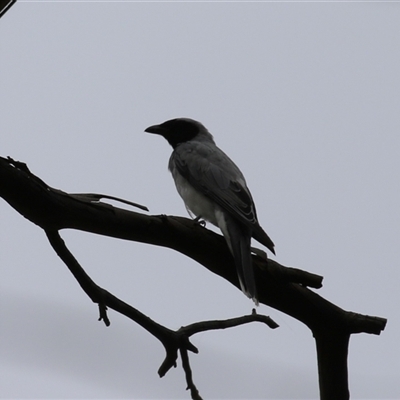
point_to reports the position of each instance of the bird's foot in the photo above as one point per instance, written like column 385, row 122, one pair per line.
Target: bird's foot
column 200, row 221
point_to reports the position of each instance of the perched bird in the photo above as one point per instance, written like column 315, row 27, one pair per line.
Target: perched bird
column 213, row 188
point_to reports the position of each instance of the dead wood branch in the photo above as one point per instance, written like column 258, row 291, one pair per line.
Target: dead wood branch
column 173, row 341
column 7, row 4
column 282, row 288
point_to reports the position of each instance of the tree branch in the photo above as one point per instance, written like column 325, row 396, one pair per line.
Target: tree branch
column 101, row 296
column 188, row 374
column 6, row 6
column 280, row 287
column 173, row 341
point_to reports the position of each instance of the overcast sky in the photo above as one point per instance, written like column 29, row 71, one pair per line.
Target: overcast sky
column 304, row 97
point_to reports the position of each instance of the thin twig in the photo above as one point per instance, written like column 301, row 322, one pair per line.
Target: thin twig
column 203, row 326
column 194, row 393
column 96, row 197
column 6, row 7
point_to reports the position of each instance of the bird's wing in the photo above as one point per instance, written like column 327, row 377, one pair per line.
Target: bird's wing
column 210, row 171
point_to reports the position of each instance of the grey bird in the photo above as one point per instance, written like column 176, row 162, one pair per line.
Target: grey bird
column 214, row 189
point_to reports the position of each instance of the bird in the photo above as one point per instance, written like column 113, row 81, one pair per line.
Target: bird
column 214, row 189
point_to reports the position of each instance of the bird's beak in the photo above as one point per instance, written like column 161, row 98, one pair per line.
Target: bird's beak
column 159, row 130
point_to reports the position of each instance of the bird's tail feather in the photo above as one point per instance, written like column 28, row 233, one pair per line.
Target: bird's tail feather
column 261, row 236
column 239, row 242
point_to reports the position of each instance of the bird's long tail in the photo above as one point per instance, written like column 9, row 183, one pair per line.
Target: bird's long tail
column 239, row 243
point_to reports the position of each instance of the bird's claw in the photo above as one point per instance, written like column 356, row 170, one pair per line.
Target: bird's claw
column 200, row 221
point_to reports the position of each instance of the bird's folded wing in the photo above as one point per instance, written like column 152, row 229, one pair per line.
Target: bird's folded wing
column 213, row 173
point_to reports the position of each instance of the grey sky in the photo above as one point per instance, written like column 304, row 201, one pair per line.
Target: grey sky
column 303, row 97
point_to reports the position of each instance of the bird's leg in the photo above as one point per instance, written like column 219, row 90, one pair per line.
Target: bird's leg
column 197, row 219
column 200, row 221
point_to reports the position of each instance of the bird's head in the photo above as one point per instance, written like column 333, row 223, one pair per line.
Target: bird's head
column 179, row 130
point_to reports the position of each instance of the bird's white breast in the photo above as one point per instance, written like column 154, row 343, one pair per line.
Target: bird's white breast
column 199, row 204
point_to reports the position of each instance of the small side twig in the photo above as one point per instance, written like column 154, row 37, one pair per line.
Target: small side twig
column 4, row 8
column 188, row 374
column 103, row 314
column 203, row 326
column 96, row 197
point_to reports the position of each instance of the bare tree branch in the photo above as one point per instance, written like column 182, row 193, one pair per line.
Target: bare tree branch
column 188, row 374
column 173, row 341
column 280, row 287
column 7, row 4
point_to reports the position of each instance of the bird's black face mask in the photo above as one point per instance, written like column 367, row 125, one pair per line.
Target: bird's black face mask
column 175, row 131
